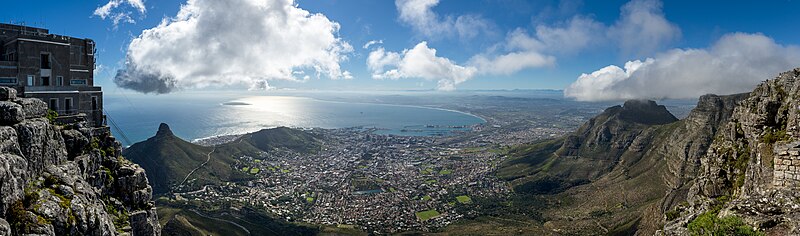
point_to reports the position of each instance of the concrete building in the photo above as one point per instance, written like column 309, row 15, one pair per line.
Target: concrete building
column 57, row 69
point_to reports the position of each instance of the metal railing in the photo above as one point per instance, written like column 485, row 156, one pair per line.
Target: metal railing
column 62, row 88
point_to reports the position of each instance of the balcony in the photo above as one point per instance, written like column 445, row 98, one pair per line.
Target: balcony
column 7, row 64
column 43, row 89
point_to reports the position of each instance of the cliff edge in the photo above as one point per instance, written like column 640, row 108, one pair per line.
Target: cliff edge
column 66, row 179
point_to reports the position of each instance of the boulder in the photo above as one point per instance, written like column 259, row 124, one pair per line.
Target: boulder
column 41, row 144
column 12, row 180
column 32, row 107
column 8, row 141
column 145, row 223
column 10, row 113
column 5, row 228
column 7, row 94
column 132, row 186
column 75, row 142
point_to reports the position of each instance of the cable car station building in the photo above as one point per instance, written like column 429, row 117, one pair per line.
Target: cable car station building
column 56, row 69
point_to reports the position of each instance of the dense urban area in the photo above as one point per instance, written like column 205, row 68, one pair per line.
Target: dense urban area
column 388, row 183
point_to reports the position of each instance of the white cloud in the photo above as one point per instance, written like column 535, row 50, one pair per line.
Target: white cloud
column 510, row 63
column 521, row 50
column 734, row 64
column 117, row 11
column 642, row 28
column 372, row 42
column 572, row 36
column 418, row 15
column 418, row 62
column 236, row 42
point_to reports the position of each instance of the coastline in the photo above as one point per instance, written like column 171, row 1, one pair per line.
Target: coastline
column 483, row 120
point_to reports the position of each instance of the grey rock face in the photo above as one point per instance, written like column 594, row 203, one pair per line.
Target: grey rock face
column 10, row 113
column 32, row 107
column 7, row 93
column 41, row 144
column 68, row 182
column 12, row 180
column 75, row 142
column 143, row 223
column 751, row 164
column 5, row 228
column 8, row 141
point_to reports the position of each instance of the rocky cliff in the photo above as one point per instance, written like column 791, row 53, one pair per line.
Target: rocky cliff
column 66, row 179
column 731, row 167
column 751, row 172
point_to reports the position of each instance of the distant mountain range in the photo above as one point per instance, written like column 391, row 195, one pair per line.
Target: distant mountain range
column 168, row 159
column 723, row 170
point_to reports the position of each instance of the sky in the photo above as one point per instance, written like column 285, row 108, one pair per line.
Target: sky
column 593, row 50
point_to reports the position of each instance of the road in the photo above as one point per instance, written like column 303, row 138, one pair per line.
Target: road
column 208, row 158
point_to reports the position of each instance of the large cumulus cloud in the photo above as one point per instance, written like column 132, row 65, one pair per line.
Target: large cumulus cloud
column 733, row 64
column 418, row 62
column 233, row 42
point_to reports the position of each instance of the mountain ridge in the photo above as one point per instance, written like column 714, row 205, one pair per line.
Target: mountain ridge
column 169, row 160
column 675, row 178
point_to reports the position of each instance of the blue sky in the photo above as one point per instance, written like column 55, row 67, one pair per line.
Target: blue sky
column 686, row 25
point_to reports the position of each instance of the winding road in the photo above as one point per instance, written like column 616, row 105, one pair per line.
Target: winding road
column 201, row 166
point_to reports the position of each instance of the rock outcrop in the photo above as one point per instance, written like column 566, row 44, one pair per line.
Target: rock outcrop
column 731, row 167
column 750, row 172
column 66, row 179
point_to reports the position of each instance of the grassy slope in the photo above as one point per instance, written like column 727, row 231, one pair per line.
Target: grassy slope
column 168, row 159
column 610, row 204
column 178, row 219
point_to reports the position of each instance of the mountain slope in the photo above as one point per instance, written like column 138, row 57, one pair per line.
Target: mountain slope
column 612, row 174
column 751, row 173
column 169, row 159
column 730, row 166
column 587, row 154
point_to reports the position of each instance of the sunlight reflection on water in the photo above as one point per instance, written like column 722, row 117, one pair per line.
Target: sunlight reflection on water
column 200, row 117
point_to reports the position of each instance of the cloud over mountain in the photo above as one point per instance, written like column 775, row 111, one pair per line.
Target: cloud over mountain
column 733, row 64
column 236, row 42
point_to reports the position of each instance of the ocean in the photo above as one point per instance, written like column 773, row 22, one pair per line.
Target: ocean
column 194, row 116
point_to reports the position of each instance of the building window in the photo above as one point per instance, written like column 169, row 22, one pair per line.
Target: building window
column 94, row 103
column 11, row 56
column 59, row 80
column 67, row 104
column 8, row 80
column 45, row 81
column 30, row 80
column 77, row 82
column 46, row 61
column 54, row 104
column 90, row 48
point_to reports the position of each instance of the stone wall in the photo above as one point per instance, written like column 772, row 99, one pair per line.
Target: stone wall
column 787, row 166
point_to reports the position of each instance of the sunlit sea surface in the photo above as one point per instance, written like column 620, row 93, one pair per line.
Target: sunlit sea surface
column 194, row 116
